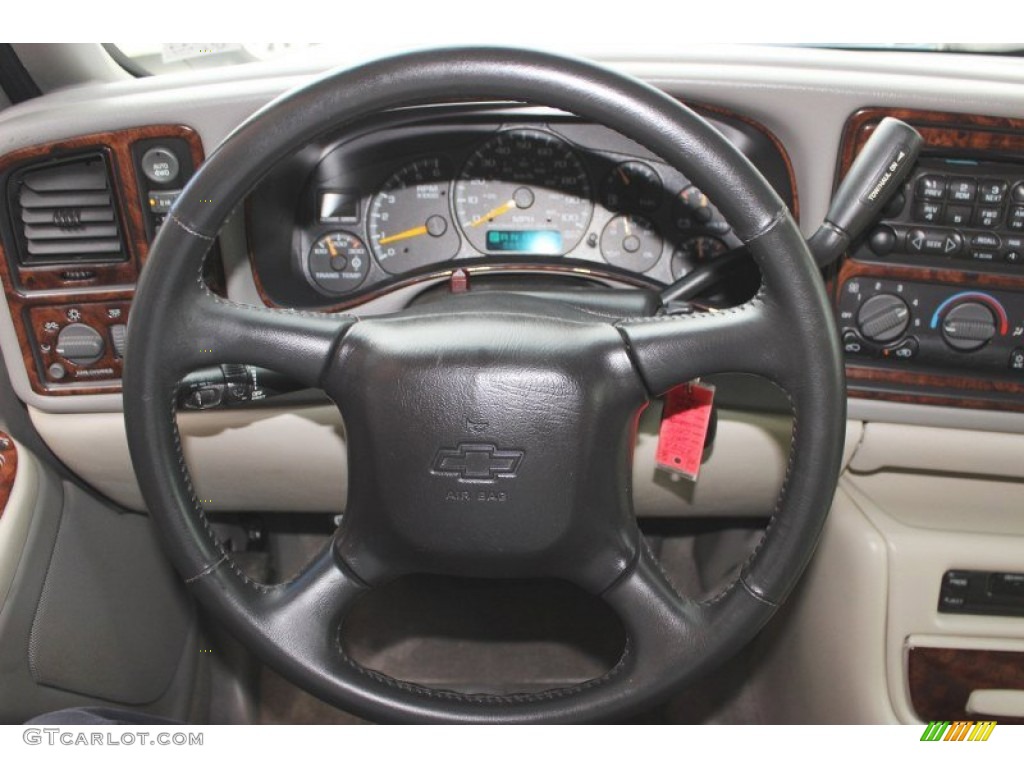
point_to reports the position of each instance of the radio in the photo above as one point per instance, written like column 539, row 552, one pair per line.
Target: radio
column 954, row 214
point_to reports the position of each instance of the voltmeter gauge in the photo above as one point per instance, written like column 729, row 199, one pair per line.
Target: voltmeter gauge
column 338, row 262
column 695, row 251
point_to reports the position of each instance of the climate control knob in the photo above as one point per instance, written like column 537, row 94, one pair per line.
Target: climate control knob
column 968, row 326
column 80, row 344
column 883, row 318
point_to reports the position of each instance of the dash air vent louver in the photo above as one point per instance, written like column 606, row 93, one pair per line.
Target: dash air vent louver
column 66, row 212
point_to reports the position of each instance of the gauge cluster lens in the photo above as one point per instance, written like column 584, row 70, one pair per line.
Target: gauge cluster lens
column 338, row 262
column 409, row 218
column 524, row 191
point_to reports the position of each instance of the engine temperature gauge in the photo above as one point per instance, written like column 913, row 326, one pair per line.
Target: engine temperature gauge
column 338, row 262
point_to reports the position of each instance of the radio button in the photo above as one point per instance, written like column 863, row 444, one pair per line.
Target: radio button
column 986, row 240
column 934, row 241
column 992, row 192
column 928, row 212
column 882, row 241
column 957, row 215
column 932, row 187
column 1015, row 220
column 989, row 217
column 961, row 190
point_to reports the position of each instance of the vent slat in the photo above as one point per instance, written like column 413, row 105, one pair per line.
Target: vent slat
column 69, row 199
column 71, row 247
column 67, row 212
column 80, row 175
column 86, row 216
column 86, row 232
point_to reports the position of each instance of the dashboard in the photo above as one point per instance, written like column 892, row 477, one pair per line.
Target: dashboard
column 490, row 190
column 930, row 305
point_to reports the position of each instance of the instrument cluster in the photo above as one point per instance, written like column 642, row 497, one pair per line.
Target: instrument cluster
column 406, row 203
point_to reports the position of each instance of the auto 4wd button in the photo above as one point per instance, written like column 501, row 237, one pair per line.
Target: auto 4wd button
column 934, row 241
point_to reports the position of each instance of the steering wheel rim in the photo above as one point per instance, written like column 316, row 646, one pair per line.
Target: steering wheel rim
column 295, row 626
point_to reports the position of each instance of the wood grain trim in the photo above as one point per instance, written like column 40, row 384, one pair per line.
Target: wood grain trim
column 940, row 130
column 8, row 469
column 30, row 288
column 993, row 138
column 941, row 680
column 590, row 270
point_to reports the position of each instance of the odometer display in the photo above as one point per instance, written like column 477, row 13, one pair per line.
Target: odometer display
column 524, row 191
column 543, row 242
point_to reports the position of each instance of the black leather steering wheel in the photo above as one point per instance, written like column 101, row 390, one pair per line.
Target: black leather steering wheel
column 558, row 389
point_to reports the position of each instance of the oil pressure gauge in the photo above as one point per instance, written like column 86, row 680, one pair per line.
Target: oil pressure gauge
column 631, row 242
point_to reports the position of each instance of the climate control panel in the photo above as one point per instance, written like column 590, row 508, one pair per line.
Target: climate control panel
column 941, row 328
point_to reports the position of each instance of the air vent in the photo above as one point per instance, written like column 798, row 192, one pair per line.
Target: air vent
column 65, row 213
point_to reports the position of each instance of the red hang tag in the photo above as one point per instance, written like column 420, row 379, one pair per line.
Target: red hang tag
column 684, row 428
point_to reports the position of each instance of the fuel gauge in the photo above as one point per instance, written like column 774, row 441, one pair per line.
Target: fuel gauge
column 632, row 187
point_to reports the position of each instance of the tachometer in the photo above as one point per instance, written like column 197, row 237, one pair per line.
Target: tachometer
column 524, row 191
column 408, row 218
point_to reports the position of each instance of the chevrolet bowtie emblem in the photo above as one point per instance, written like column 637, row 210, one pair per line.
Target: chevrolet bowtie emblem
column 477, row 462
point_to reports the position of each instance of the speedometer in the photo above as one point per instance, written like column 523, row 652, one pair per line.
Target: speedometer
column 524, row 191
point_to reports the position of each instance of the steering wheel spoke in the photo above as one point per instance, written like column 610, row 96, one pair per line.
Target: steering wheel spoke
column 309, row 609
column 298, row 344
column 673, row 349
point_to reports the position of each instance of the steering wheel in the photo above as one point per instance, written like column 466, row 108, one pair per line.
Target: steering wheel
column 502, row 393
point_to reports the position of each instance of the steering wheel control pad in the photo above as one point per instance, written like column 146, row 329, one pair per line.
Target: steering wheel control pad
column 488, row 437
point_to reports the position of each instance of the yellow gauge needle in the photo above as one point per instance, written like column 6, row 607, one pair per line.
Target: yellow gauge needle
column 494, row 213
column 331, row 248
column 625, row 226
column 414, row 232
column 623, row 175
